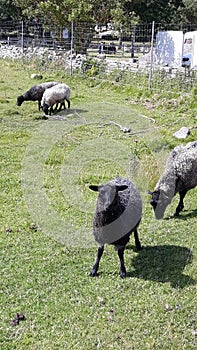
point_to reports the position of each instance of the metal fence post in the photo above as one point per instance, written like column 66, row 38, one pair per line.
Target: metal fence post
column 22, row 40
column 71, row 48
column 133, row 43
column 151, row 57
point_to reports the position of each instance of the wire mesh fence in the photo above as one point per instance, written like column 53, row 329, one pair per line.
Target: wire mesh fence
column 123, row 55
column 33, row 34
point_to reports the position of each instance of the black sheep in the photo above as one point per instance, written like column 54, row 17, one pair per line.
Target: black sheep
column 118, row 214
column 35, row 93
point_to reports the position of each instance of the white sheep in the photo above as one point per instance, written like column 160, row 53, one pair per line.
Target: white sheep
column 118, row 214
column 180, row 176
column 54, row 95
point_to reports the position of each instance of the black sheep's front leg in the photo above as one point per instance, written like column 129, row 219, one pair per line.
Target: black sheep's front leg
column 68, row 102
column 137, row 241
column 51, row 110
column 98, row 258
column 122, row 265
column 63, row 105
column 180, row 205
column 56, row 107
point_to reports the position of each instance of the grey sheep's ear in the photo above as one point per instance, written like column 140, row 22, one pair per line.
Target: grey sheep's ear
column 121, row 187
column 94, row 188
column 150, row 192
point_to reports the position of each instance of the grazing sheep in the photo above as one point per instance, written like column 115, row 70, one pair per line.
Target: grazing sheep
column 35, row 93
column 108, row 49
column 118, row 214
column 180, row 176
column 54, row 95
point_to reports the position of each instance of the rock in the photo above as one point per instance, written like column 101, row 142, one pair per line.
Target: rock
column 182, row 133
column 36, row 76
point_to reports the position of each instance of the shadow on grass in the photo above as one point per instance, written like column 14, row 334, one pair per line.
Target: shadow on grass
column 163, row 264
column 75, row 110
column 188, row 214
column 60, row 115
column 68, row 114
column 184, row 215
column 71, row 111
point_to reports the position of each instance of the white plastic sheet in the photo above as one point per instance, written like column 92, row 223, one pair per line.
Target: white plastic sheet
column 169, row 48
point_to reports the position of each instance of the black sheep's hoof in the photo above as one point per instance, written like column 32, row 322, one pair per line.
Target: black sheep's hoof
column 123, row 274
column 14, row 322
column 178, row 210
column 93, row 273
column 20, row 317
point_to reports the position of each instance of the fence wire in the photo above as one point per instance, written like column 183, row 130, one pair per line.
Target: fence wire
column 103, row 52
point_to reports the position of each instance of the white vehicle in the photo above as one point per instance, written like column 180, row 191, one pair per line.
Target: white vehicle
column 108, row 34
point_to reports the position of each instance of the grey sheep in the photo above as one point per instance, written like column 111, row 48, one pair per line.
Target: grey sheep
column 180, row 176
column 118, row 214
column 35, row 93
column 56, row 94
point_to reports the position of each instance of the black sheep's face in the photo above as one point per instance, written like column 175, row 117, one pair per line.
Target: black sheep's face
column 20, row 100
column 107, row 194
column 159, row 203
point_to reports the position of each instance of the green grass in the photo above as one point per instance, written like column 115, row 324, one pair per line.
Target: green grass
column 46, row 210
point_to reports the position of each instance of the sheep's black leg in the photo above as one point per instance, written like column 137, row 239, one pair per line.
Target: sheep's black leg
column 61, row 105
column 56, row 107
column 96, row 265
column 137, row 241
column 68, row 103
column 180, row 205
column 39, row 105
column 51, row 110
column 122, row 265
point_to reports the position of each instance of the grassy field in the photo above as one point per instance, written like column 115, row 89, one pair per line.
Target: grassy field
column 46, row 211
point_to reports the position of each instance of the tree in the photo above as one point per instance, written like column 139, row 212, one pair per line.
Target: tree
column 189, row 13
column 122, row 13
column 62, row 12
column 9, row 11
column 56, row 14
column 56, row 11
column 123, row 16
column 161, row 11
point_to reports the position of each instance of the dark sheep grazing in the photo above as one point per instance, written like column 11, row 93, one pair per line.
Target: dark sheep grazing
column 180, row 176
column 35, row 93
column 107, row 48
column 118, row 214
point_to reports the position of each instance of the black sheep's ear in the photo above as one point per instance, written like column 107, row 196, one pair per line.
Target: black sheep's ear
column 121, row 187
column 94, row 188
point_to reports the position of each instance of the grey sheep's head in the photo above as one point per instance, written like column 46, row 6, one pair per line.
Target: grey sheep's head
column 159, row 202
